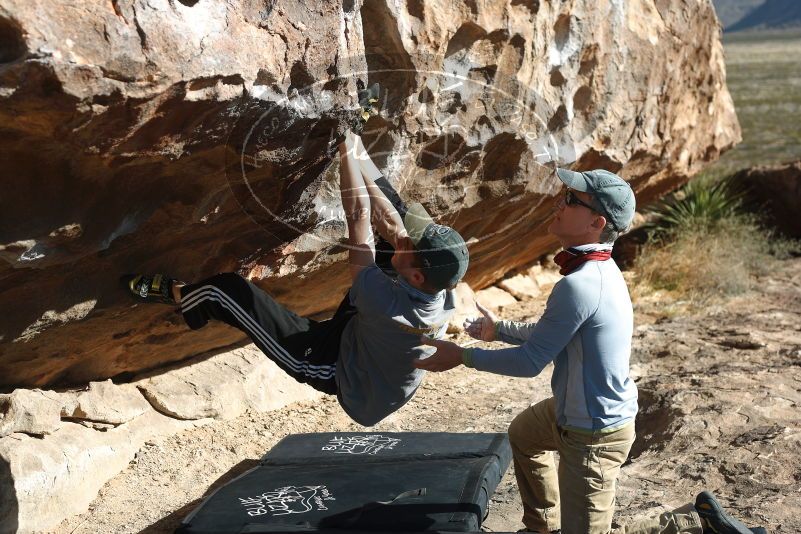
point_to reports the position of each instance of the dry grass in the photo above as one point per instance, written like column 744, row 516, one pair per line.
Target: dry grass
column 699, row 264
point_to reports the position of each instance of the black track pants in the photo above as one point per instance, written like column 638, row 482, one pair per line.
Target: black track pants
column 306, row 349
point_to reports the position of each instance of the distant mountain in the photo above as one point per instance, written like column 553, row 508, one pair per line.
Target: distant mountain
column 737, row 15
column 731, row 11
column 773, row 14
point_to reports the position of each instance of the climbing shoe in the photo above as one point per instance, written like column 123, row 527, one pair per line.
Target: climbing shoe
column 716, row 520
column 369, row 105
column 150, row 288
column 368, row 99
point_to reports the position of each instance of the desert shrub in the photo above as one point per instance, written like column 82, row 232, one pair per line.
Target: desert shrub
column 700, row 245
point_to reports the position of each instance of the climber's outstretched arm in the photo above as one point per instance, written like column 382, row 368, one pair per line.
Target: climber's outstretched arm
column 356, row 203
column 387, row 220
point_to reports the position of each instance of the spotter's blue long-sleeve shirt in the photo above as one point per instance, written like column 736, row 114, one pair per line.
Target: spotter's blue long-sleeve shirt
column 586, row 331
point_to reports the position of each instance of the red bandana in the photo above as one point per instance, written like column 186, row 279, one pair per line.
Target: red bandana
column 570, row 260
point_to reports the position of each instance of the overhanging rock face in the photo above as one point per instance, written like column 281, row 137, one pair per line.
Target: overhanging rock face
column 191, row 137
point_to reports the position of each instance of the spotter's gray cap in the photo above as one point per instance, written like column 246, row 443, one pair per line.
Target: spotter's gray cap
column 611, row 195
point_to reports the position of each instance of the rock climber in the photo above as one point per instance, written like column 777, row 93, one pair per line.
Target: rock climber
column 364, row 354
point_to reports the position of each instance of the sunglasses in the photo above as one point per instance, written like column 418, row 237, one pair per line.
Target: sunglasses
column 572, row 200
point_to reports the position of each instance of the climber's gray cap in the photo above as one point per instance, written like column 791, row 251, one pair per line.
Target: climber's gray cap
column 611, row 195
column 441, row 249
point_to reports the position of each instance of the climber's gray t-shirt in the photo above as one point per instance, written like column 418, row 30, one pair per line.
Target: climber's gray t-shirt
column 375, row 375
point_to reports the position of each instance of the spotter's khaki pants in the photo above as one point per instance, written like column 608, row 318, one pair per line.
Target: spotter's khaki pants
column 580, row 497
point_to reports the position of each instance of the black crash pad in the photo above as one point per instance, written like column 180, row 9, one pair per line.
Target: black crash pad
column 376, row 481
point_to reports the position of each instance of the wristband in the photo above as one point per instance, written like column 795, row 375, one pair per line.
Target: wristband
column 467, row 357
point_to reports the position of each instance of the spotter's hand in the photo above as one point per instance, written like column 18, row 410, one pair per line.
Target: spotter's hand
column 481, row 328
column 447, row 356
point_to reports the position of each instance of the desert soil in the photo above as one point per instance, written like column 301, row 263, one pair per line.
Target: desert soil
column 719, row 409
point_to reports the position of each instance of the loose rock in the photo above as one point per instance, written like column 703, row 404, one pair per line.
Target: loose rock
column 520, row 286
column 494, row 298
column 106, row 402
column 32, row 412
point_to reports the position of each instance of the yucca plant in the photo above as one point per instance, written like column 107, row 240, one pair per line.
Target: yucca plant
column 701, row 203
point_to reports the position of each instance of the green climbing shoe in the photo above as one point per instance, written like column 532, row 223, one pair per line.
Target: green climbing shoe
column 149, row 288
column 368, row 99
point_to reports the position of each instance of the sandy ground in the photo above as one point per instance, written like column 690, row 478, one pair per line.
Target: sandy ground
column 719, row 390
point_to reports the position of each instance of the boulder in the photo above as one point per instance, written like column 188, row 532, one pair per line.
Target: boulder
column 33, row 412
column 194, row 137
column 42, row 481
column 774, row 194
